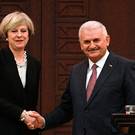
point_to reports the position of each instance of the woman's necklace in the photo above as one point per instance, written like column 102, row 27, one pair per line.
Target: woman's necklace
column 21, row 66
column 22, row 63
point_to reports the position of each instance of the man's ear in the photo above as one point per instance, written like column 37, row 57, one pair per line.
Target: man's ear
column 108, row 40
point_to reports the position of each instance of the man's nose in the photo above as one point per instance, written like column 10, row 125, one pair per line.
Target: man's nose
column 92, row 44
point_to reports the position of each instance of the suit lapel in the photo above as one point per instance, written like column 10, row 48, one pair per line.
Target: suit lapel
column 29, row 71
column 11, row 68
column 105, row 73
column 13, row 71
column 11, row 74
column 82, row 73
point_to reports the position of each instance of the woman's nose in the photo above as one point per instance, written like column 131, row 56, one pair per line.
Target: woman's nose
column 19, row 33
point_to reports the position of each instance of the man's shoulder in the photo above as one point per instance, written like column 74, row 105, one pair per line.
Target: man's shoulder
column 81, row 63
column 120, row 58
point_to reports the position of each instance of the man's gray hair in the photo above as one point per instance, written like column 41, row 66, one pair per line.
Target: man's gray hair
column 92, row 25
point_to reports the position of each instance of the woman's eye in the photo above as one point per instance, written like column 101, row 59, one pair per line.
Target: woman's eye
column 24, row 30
column 13, row 30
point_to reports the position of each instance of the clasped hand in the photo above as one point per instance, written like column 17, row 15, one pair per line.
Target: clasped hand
column 33, row 120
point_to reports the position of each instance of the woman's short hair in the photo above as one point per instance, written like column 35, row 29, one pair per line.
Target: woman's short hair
column 13, row 20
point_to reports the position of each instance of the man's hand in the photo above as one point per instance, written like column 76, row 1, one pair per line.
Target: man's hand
column 35, row 120
column 28, row 120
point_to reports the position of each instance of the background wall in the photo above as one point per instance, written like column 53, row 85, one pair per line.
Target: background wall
column 56, row 44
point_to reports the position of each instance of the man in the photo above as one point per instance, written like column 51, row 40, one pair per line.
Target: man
column 113, row 89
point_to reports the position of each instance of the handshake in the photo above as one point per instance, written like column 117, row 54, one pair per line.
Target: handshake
column 33, row 119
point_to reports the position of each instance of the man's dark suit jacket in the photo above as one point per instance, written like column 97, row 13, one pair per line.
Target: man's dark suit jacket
column 13, row 97
column 115, row 87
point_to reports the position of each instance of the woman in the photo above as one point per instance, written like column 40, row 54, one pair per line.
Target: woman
column 19, row 76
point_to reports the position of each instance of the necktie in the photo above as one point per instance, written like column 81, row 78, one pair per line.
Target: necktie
column 92, row 81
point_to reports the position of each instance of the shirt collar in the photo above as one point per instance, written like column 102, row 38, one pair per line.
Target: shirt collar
column 100, row 63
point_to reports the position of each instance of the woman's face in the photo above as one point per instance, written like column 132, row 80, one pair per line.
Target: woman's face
column 18, row 37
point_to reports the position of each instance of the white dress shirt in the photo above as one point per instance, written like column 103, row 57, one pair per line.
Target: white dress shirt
column 99, row 64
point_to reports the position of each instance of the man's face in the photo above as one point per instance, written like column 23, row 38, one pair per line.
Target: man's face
column 94, row 43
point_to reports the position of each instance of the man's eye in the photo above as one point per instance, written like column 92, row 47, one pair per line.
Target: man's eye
column 86, row 41
column 96, row 40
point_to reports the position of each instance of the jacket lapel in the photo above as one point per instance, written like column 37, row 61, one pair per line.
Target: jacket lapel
column 29, row 71
column 105, row 73
column 82, row 73
column 11, row 68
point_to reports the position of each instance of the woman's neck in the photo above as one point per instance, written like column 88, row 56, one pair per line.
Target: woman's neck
column 20, row 56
